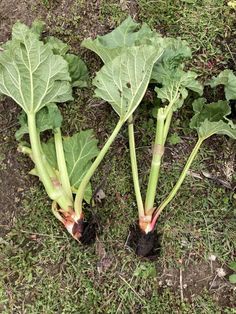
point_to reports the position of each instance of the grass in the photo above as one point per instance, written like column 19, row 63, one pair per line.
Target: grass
column 45, row 271
column 206, row 25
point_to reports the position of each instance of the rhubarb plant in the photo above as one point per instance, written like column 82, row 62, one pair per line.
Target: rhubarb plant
column 173, row 86
column 36, row 78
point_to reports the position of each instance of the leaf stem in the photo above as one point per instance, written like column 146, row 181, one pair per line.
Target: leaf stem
column 63, row 173
column 167, row 126
column 158, row 151
column 134, row 167
column 81, row 190
column 178, row 183
column 55, row 192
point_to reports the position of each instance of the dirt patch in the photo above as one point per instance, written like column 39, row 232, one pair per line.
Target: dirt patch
column 144, row 245
column 192, row 280
column 14, row 181
column 24, row 10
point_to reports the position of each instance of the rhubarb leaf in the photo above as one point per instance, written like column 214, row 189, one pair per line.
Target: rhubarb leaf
column 48, row 118
column 213, row 112
column 127, row 34
column 77, row 68
column 80, row 149
column 228, row 79
column 175, row 82
column 57, row 45
column 30, row 74
column 175, row 86
column 78, row 71
column 175, row 53
column 210, row 119
column 123, row 81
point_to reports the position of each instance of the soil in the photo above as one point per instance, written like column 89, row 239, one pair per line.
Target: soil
column 89, row 232
column 195, row 277
column 144, row 245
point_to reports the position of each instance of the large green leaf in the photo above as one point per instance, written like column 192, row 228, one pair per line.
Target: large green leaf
column 123, row 81
column 127, row 34
column 30, row 74
column 210, row 119
column 48, row 118
column 228, row 79
column 80, row 149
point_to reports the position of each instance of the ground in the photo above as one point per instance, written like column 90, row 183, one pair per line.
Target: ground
column 43, row 270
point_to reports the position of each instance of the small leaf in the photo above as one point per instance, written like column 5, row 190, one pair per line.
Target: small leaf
column 212, row 112
column 79, row 150
column 22, row 119
column 37, row 27
column 48, row 118
column 78, row 71
column 123, row 81
column 208, row 129
column 228, row 79
column 57, row 45
column 174, row 139
column 175, row 85
column 232, row 278
column 211, row 119
column 232, row 266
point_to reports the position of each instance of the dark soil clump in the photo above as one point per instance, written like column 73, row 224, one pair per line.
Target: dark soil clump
column 145, row 245
column 89, row 232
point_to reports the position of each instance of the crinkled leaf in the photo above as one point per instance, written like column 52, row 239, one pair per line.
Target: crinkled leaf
column 123, row 81
column 175, row 52
column 80, row 149
column 212, row 112
column 127, row 34
column 208, row 129
column 57, row 45
column 228, row 79
column 175, row 86
column 211, row 119
column 175, row 82
column 37, row 27
column 78, row 71
column 48, row 118
column 31, row 75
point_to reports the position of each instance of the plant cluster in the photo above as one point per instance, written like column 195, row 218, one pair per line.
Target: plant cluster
column 38, row 74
